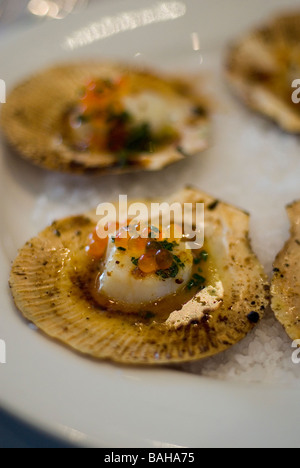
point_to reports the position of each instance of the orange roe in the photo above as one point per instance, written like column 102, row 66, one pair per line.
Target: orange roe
column 147, row 264
column 152, row 247
column 164, row 259
column 149, row 252
column 102, row 99
column 99, row 94
column 96, row 246
column 137, row 246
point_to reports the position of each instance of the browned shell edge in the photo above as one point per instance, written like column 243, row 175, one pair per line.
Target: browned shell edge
column 34, row 144
column 283, row 296
column 147, row 347
column 250, row 94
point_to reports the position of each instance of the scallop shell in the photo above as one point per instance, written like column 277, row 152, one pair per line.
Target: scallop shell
column 32, row 117
column 262, row 66
column 49, row 292
column 286, row 280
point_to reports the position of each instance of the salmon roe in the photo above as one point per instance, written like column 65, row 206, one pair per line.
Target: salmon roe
column 149, row 254
column 164, row 259
column 99, row 106
column 99, row 94
column 152, row 247
column 96, row 246
column 137, row 246
column 147, row 264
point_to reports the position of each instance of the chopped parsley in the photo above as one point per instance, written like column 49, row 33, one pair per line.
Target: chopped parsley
column 197, row 281
column 83, row 119
column 168, row 245
column 122, row 118
column 135, row 261
column 123, row 156
column 122, row 249
column 147, row 315
column 178, row 261
column 170, row 273
column 203, row 256
column 139, row 139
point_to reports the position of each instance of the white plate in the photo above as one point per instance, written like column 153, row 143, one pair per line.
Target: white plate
column 99, row 404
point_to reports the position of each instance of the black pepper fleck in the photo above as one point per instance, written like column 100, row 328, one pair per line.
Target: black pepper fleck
column 213, row 205
column 253, row 317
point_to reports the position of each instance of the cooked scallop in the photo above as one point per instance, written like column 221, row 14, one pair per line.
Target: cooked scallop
column 286, row 280
column 154, row 299
column 104, row 118
column 134, row 290
column 262, row 66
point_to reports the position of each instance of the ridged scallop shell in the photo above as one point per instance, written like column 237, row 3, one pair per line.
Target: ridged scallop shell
column 32, row 117
column 262, row 66
column 49, row 293
column 285, row 288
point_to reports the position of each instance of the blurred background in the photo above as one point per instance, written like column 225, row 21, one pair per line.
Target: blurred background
column 38, row 10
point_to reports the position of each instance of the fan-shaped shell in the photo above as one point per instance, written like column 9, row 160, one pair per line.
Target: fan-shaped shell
column 262, row 66
column 32, row 120
column 49, row 278
column 286, row 280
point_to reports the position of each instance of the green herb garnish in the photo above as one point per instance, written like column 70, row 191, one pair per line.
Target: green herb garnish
column 122, row 249
column 203, row 256
column 170, row 273
column 178, row 261
column 168, row 245
column 83, row 119
column 196, row 282
column 139, row 138
column 149, row 315
column 123, row 156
